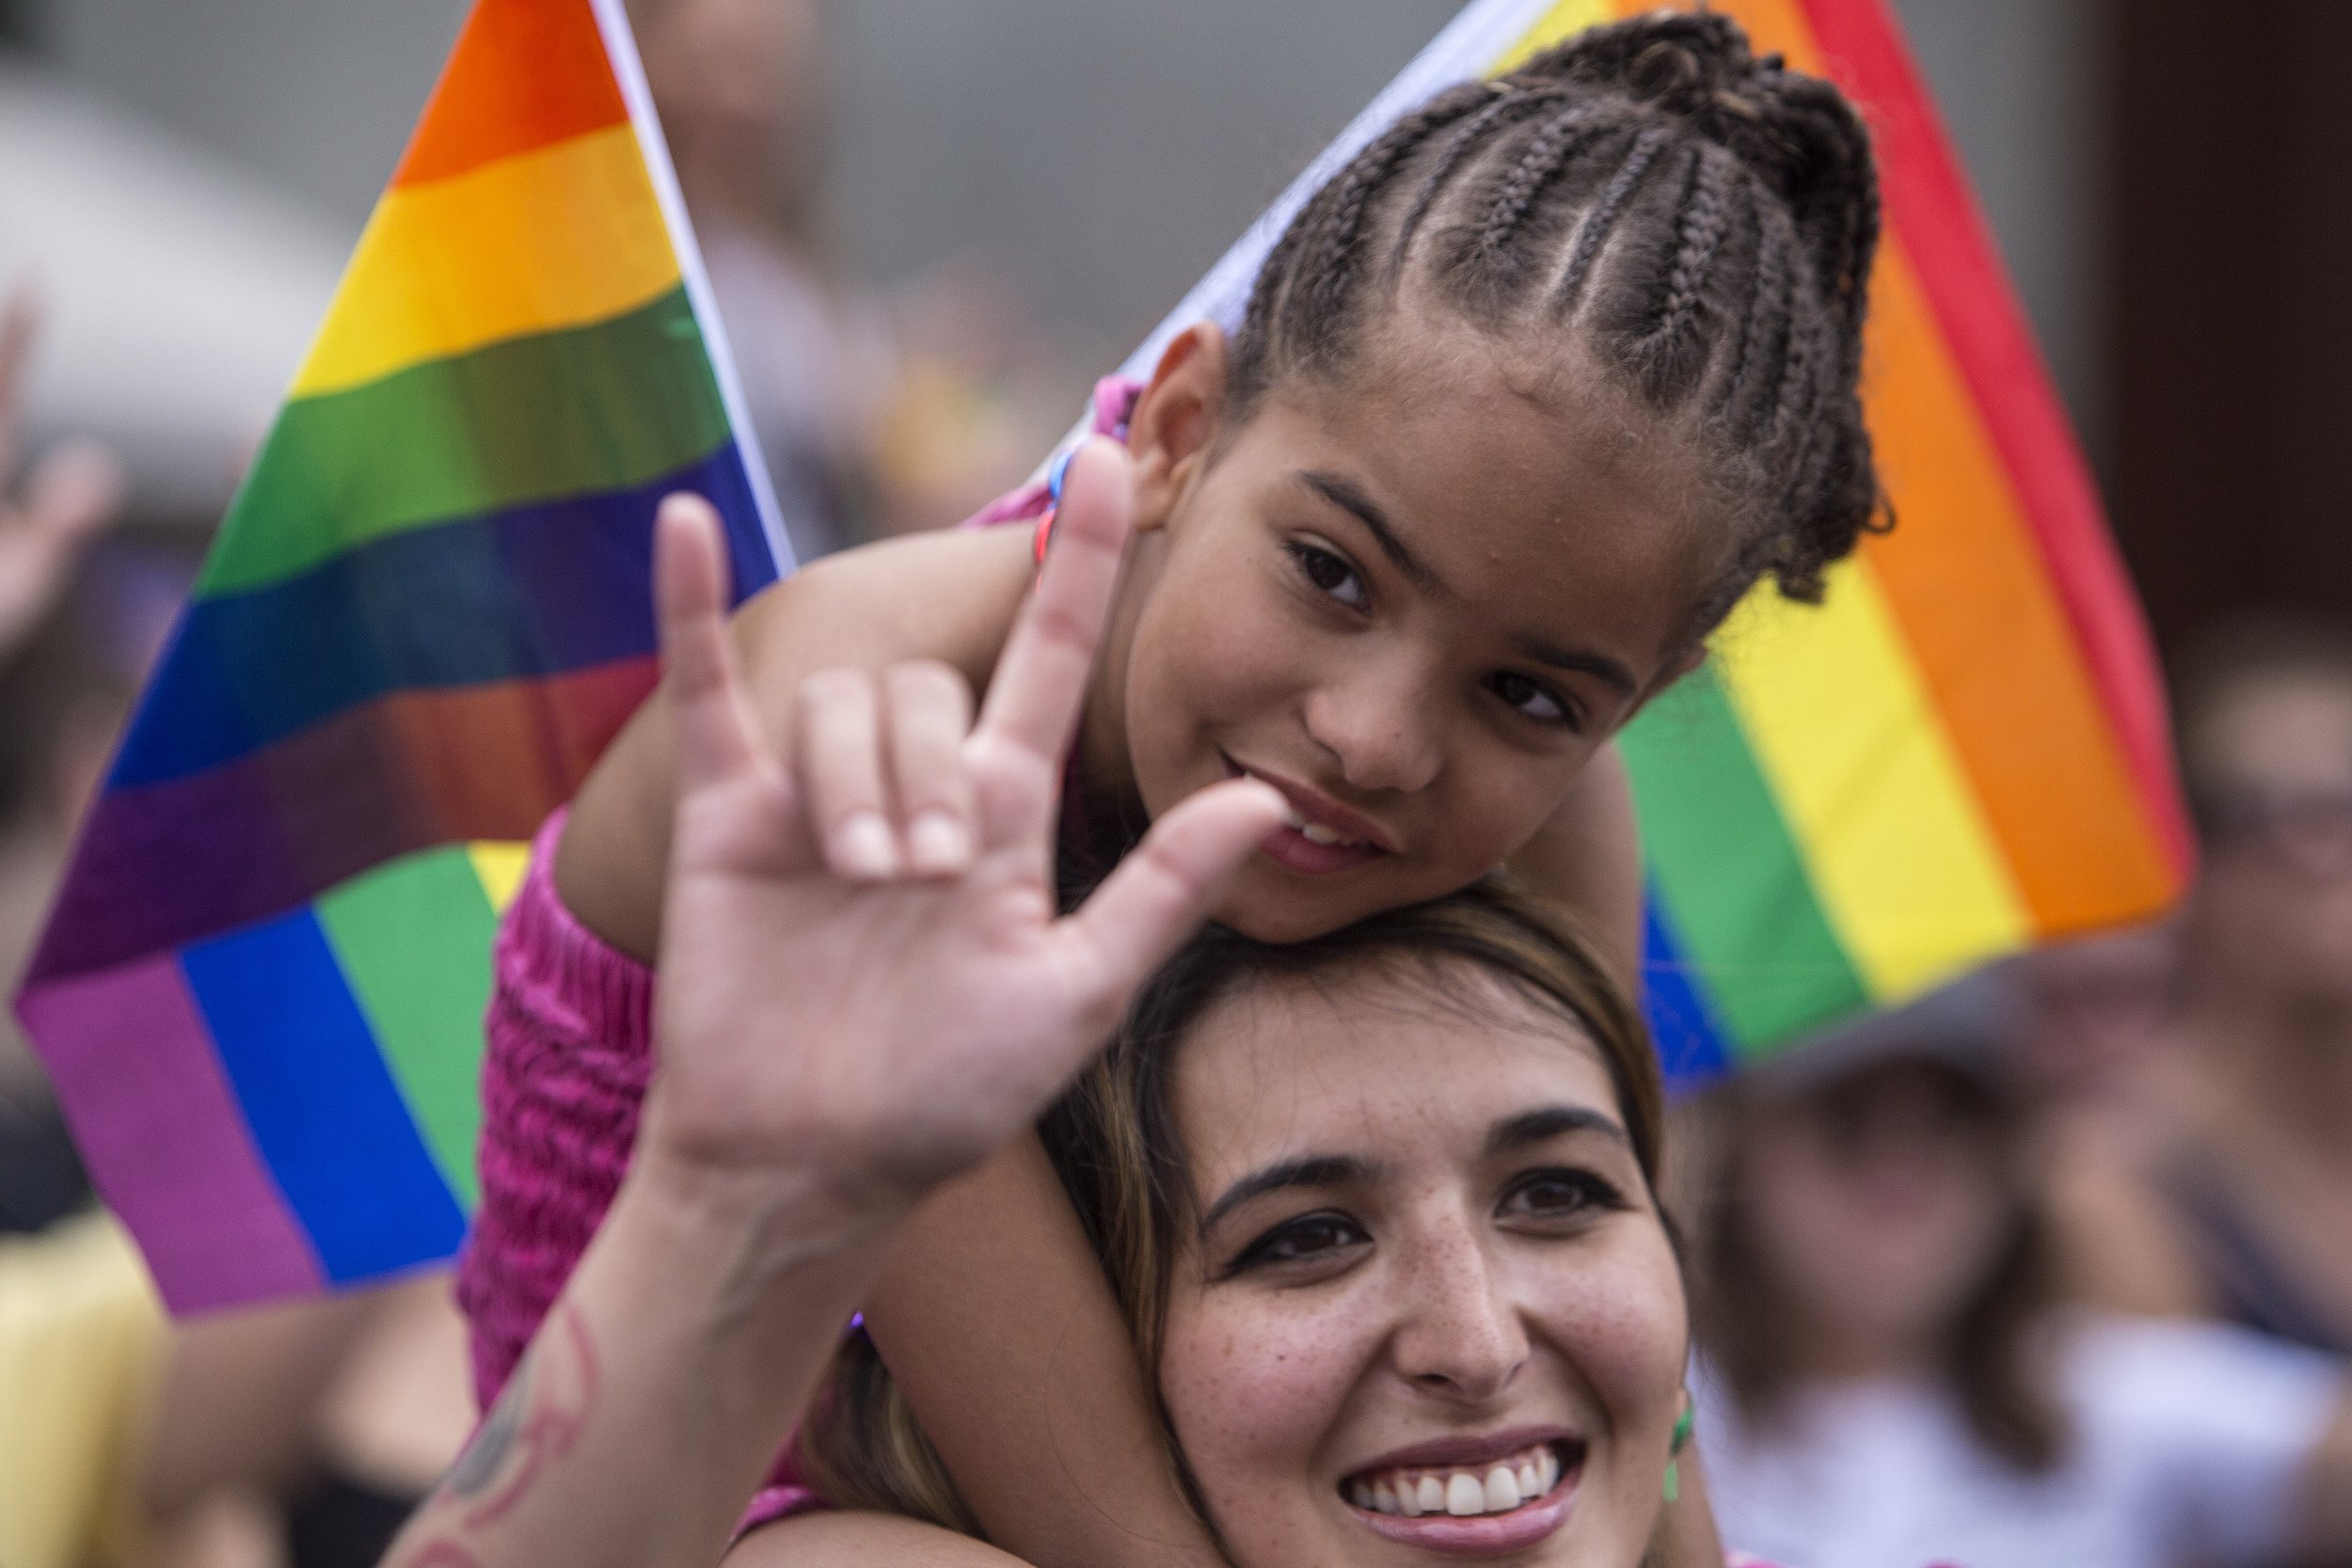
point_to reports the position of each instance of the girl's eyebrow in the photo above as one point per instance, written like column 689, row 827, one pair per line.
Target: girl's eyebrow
column 1551, row 1121
column 1343, row 494
column 1311, row 1170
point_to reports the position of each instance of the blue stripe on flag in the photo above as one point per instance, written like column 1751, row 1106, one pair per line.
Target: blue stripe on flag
column 536, row 591
column 329, row 1122
column 1690, row 1048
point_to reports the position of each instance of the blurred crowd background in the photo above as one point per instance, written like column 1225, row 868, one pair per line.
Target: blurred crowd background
column 1958, row 1265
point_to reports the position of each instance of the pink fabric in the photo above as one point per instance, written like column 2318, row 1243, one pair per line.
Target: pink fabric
column 1114, row 406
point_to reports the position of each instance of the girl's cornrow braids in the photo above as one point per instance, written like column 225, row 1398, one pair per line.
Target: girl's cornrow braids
column 1703, row 223
column 1544, row 161
column 1593, row 232
column 1706, row 216
column 1505, row 100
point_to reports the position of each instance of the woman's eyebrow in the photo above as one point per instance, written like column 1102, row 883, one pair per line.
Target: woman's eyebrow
column 1550, row 1121
column 1313, row 1170
column 1343, row 494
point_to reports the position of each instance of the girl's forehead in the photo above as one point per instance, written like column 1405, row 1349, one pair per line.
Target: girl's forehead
column 1370, row 1061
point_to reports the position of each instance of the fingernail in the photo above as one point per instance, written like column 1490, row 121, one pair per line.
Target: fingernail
column 938, row 842
column 862, row 846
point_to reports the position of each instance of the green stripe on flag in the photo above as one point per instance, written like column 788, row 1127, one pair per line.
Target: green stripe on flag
column 600, row 407
column 413, row 937
column 1732, row 881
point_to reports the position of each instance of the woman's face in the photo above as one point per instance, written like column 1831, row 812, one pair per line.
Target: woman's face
column 1878, row 1207
column 1416, row 605
column 1429, row 1308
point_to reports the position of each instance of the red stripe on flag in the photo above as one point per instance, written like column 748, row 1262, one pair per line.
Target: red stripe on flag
column 1959, row 269
column 525, row 74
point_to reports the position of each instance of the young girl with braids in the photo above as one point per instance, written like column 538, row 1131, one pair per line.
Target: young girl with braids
column 1524, row 400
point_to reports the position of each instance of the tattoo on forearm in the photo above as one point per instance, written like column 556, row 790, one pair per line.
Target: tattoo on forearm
column 534, row 1423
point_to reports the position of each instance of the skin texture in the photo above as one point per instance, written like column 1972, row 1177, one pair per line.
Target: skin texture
column 1216, row 639
column 1438, row 1283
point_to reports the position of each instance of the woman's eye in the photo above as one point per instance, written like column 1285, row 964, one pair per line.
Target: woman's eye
column 1308, row 1239
column 1559, row 1193
column 1532, row 697
column 1331, row 574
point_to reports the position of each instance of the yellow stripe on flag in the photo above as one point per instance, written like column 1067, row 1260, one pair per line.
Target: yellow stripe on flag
column 1840, row 723
column 499, row 868
column 1560, row 24
column 561, row 237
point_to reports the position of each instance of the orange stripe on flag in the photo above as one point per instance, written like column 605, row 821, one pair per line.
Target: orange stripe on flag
column 1973, row 600
column 524, row 73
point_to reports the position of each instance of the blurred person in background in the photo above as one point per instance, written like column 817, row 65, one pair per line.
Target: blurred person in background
column 875, row 416
column 1891, row 1380
column 2234, row 1202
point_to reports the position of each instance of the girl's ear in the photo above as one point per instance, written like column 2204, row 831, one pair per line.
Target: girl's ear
column 1177, row 422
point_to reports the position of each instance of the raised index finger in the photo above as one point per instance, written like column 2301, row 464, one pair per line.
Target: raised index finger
column 1041, row 680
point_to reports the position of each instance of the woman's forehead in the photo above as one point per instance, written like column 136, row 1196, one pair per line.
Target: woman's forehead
column 1372, row 1057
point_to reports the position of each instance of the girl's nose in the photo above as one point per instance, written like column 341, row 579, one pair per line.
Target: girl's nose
column 1460, row 1334
column 1381, row 726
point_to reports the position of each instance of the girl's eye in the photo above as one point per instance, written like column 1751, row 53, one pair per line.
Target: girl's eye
column 1308, row 1239
column 1532, row 697
column 1546, row 1194
column 1331, row 574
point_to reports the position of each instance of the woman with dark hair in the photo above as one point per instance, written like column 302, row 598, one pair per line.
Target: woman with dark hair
column 1892, row 1379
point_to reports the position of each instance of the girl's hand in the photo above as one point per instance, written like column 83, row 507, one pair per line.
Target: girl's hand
column 863, row 977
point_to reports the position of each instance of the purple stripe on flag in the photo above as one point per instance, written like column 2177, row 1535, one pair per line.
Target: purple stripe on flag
column 134, row 1068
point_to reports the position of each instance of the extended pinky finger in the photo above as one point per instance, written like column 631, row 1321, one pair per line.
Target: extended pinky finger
column 711, row 719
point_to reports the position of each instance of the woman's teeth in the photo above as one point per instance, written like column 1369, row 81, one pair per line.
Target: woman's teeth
column 1496, row 1488
column 1315, row 832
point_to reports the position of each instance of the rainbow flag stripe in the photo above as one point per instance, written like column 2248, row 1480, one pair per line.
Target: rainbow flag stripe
column 1965, row 750
column 428, row 611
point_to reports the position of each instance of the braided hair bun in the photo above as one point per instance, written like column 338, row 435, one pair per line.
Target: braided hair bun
column 1699, row 221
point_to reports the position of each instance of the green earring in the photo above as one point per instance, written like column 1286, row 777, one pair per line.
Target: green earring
column 1683, row 1423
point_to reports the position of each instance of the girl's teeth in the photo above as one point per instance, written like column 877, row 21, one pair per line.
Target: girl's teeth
column 1431, row 1496
column 1531, row 1485
column 1503, row 1490
column 1464, row 1497
column 1315, row 832
column 1383, row 1499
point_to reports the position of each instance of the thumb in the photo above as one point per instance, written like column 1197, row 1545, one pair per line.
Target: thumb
column 1163, row 891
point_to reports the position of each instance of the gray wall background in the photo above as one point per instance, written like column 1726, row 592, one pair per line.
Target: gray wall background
column 1101, row 152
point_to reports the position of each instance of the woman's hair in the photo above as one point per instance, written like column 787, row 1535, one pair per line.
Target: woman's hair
column 1113, row 1137
column 1993, row 1355
column 1699, row 223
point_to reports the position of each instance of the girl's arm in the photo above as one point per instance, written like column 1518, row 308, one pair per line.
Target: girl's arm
column 1587, row 860
column 999, row 1326
column 839, row 1033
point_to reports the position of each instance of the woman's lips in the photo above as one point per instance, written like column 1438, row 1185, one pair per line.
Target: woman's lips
column 1471, row 1510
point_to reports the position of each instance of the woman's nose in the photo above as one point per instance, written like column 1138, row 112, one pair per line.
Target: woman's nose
column 1381, row 725
column 1462, row 1334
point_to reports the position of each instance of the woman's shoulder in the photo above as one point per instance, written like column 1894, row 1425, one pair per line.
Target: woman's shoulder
column 949, row 595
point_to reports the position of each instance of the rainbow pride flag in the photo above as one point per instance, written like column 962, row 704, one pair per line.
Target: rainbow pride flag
column 261, row 991
column 1965, row 750
column 428, row 611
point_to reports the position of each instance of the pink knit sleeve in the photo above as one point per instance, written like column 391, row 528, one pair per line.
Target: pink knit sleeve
column 569, row 1052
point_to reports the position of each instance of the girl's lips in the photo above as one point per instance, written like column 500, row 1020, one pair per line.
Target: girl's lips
column 1322, row 836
